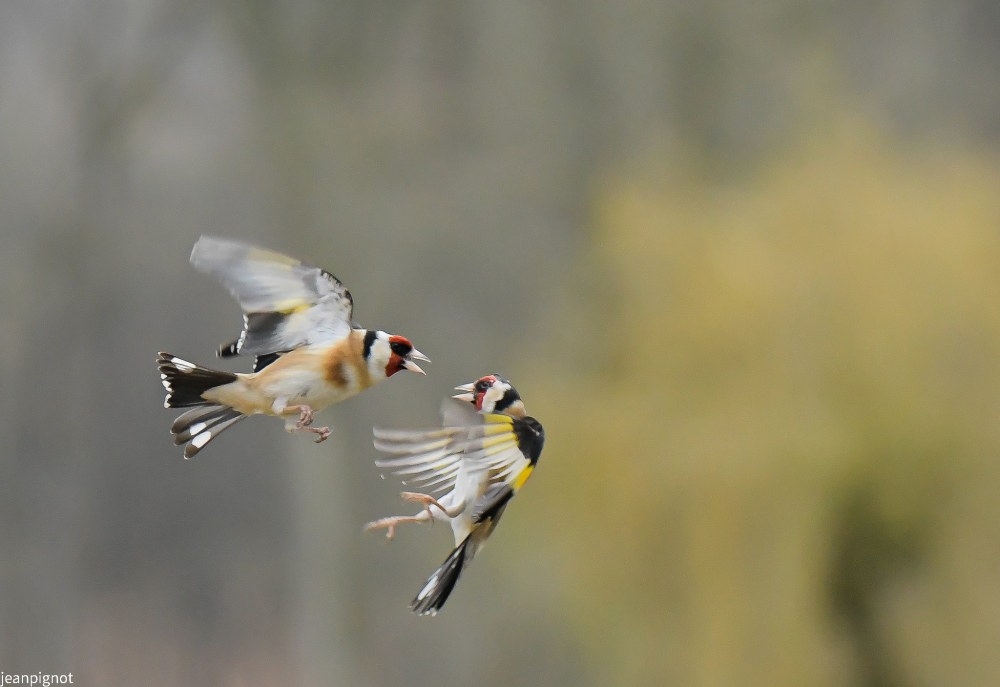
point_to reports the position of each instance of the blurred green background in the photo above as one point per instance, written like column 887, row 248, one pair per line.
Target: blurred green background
column 742, row 259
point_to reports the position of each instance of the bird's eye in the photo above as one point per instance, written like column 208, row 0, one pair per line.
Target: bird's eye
column 400, row 348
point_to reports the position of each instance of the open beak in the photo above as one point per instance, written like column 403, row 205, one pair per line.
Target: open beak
column 467, row 396
column 412, row 366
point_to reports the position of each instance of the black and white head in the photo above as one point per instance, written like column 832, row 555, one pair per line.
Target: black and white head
column 386, row 354
column 492, row 394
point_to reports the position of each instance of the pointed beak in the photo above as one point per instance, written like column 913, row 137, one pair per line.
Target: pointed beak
column 412, row 366
column 467, row 396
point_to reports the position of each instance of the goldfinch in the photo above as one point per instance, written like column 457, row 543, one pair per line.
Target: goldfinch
column 309, row 355
column 479, row 459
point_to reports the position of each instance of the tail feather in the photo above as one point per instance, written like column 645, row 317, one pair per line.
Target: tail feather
column 186, row 382
column 199, row 426
column 186, row 420
column 440, row 584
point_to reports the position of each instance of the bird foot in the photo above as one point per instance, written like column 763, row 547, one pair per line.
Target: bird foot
column 306, row 415
column 425, row 500
column 388, row 524
column 322, row 433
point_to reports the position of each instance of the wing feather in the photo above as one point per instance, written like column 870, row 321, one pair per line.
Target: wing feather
column 434, row 457
column 287, row 304
column 444, row 482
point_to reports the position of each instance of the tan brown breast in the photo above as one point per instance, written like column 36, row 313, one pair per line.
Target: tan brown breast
column 345, row 361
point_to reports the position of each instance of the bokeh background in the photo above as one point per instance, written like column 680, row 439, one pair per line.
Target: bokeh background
column 742, row 259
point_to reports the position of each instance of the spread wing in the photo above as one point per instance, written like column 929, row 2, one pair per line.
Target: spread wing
column 498, row 448
column 286, row 304
column 429, row 458
column 432, row 458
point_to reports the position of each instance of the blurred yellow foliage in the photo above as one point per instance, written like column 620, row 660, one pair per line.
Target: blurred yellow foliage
column 773, row 447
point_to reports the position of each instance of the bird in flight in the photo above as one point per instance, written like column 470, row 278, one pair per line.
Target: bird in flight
column 308, row 353
column 476, row 462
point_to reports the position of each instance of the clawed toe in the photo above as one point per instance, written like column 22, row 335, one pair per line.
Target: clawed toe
column 425, row 499
column 388, row 523
column 306, row 415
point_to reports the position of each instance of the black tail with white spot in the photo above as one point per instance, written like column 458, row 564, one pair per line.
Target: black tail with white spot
column 440, row 584
column 185, row 383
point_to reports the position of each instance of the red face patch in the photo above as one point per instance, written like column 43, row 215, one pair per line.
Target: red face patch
column 395, row 365
column 402, row 356
column 399, row 348
column 481, row 386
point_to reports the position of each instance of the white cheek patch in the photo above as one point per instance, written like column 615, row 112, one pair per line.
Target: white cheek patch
column 490, row 398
